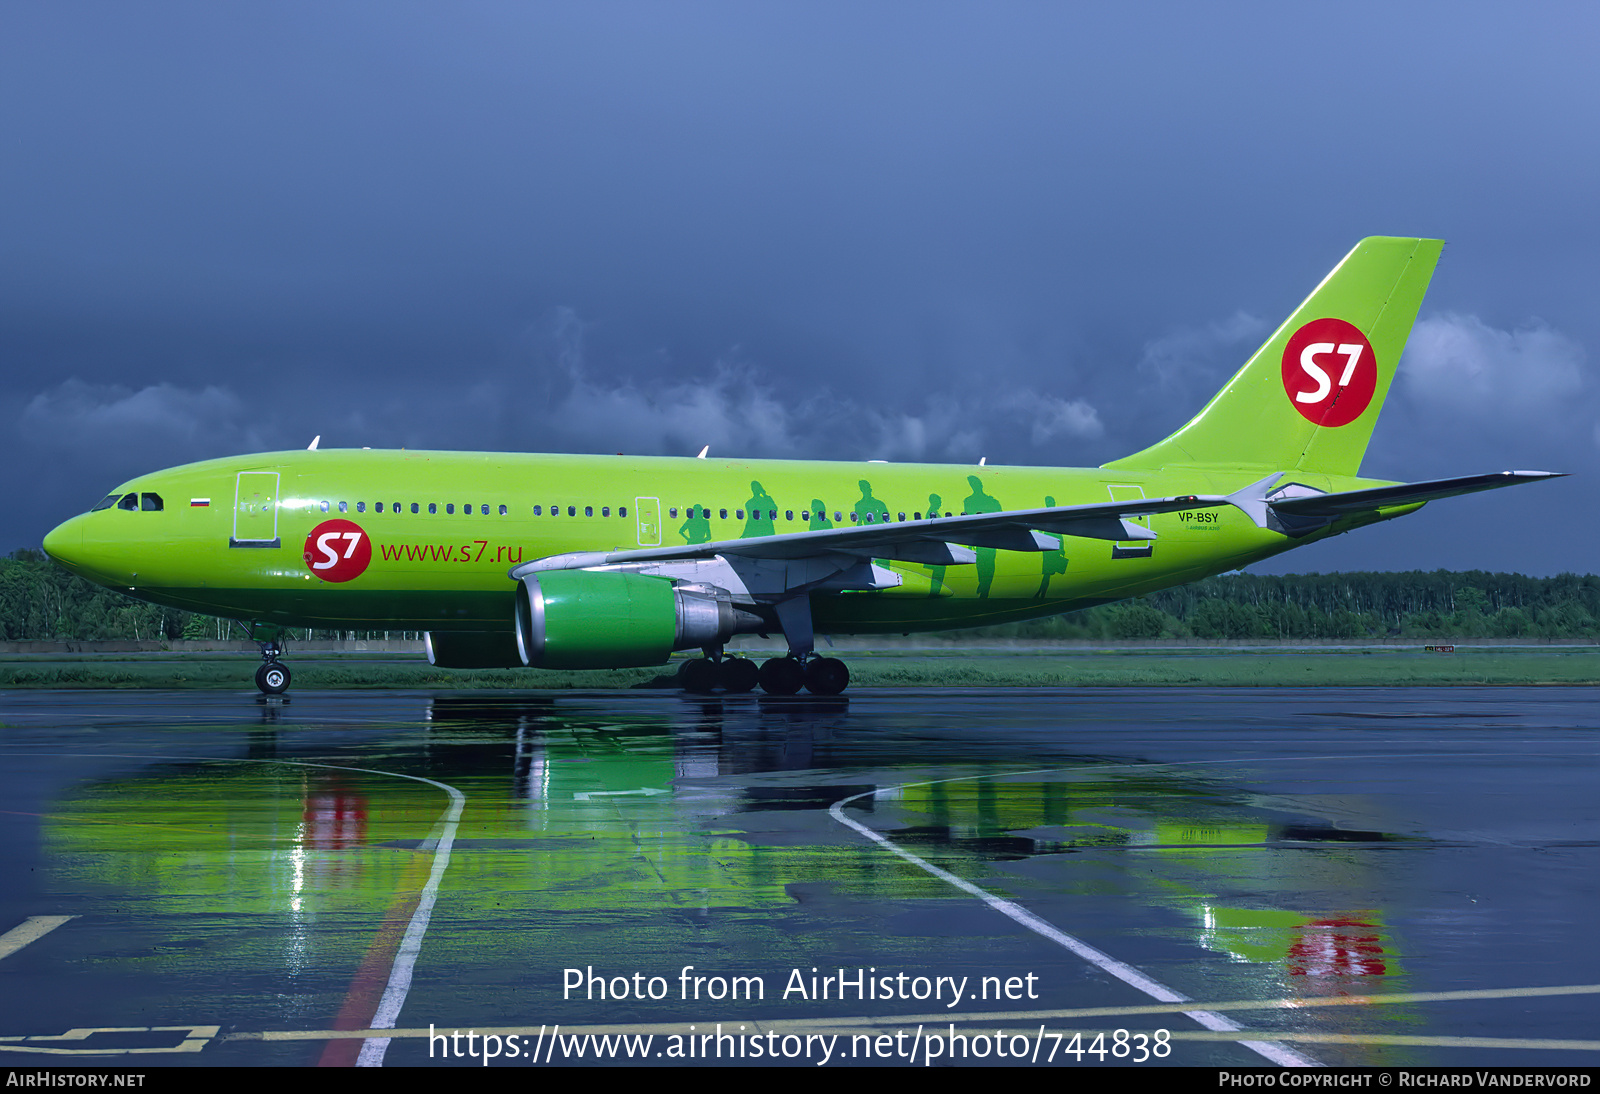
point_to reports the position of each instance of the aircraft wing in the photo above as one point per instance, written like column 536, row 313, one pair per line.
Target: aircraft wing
column 940, row 541
column 1295, row 510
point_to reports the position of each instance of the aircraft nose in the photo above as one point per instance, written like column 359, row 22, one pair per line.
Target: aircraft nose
column 64, row 542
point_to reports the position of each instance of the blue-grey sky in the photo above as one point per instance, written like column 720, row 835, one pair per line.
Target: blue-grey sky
column 1039, row 233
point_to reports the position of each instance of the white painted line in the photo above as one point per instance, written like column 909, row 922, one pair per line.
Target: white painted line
column 442, row 838
column 1278, row 1054
column 31, row 929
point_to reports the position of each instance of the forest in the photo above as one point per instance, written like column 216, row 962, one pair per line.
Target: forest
column 39, row 599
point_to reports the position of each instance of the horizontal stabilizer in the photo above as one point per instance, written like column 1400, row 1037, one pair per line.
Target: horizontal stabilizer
column 1296, row 510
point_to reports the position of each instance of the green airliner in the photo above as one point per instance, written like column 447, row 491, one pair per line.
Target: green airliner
column 614, row 561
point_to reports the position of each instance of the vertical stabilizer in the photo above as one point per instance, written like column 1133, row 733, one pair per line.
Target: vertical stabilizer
column 1309, row 397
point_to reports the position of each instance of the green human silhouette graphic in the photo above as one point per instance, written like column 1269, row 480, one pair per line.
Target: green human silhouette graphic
column 759, row 512
column 869, row 507
column 979, row 502
column 697, row 529
column 819, row 516
column 935, row 573
column 1051, row 562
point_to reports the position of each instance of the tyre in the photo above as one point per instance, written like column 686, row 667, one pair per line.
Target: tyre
column 698, row 676
column 782, row 676
column 738, row 675
column 827, row 676
column 273, row 678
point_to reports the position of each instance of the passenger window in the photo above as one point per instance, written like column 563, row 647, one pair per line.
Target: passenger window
column 538, row 510
column 622, row 510
column 916, row 516
column 344, row 507
column 466, row 510
column 854, row 517
column 324, row 507
column 738, row 514
column 837, row 517
column 605, row 511
column 450, row 508
column 129, row 502
column 788, row 514
column 484, row 510
column 415, row 508
column 433, row 507
column 572, row 510
column 724, row 513
column 361, row 507
column 588, row 510
column 502, row 510
column 673, row 512
column 150, row 503
column 902, row 518
column 378, row 508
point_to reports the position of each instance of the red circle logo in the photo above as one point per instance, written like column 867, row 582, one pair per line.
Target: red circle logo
column 338, row 550
column 1329, row 371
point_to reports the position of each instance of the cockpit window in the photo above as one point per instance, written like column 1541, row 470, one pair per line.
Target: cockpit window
column 111, row 499
column 129, row 502
column 150, row 503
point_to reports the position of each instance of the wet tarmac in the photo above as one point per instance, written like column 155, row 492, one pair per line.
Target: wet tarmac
column 897, row 877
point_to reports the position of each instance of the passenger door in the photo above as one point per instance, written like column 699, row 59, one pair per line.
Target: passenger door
column 255, row 510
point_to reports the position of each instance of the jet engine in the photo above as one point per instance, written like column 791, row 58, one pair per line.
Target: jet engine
column 596, row 619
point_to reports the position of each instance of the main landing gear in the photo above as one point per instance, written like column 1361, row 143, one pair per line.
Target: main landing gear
column 776, row 676
column 273, row 676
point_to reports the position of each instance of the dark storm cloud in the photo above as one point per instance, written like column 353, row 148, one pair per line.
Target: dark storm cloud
column 1039, row 234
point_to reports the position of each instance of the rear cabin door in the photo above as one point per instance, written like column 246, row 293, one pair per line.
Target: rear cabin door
column 255, row 510
column 1137, row 548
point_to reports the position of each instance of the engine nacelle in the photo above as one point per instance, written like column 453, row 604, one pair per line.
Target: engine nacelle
column 587, row 619
column 473, row 649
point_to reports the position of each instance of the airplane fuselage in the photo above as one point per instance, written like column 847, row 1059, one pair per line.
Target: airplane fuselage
column 277, row 537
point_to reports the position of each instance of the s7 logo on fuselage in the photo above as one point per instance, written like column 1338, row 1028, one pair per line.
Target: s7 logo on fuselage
column 338, row 550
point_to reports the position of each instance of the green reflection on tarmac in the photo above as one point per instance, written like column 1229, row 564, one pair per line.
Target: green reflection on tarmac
column 581, row 816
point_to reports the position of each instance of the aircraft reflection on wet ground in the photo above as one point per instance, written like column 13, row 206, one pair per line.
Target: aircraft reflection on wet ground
column 255, row 867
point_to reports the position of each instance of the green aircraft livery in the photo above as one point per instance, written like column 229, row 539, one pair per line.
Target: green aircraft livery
column 562, row 561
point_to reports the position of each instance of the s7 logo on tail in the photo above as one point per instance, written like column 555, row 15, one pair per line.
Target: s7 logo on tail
column 338, row 550
column 1329, row 371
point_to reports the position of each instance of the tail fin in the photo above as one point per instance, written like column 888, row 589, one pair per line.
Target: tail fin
column 1309, row 398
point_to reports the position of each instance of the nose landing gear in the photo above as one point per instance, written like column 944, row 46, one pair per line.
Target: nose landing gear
column 273, row 676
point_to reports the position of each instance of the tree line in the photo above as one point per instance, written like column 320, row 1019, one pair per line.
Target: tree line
column 39, row 599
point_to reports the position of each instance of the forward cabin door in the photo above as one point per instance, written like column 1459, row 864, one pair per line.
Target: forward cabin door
column 648, row 512
column 255, row 510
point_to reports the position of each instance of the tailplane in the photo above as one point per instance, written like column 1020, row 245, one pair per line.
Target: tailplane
column 1308, row 399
